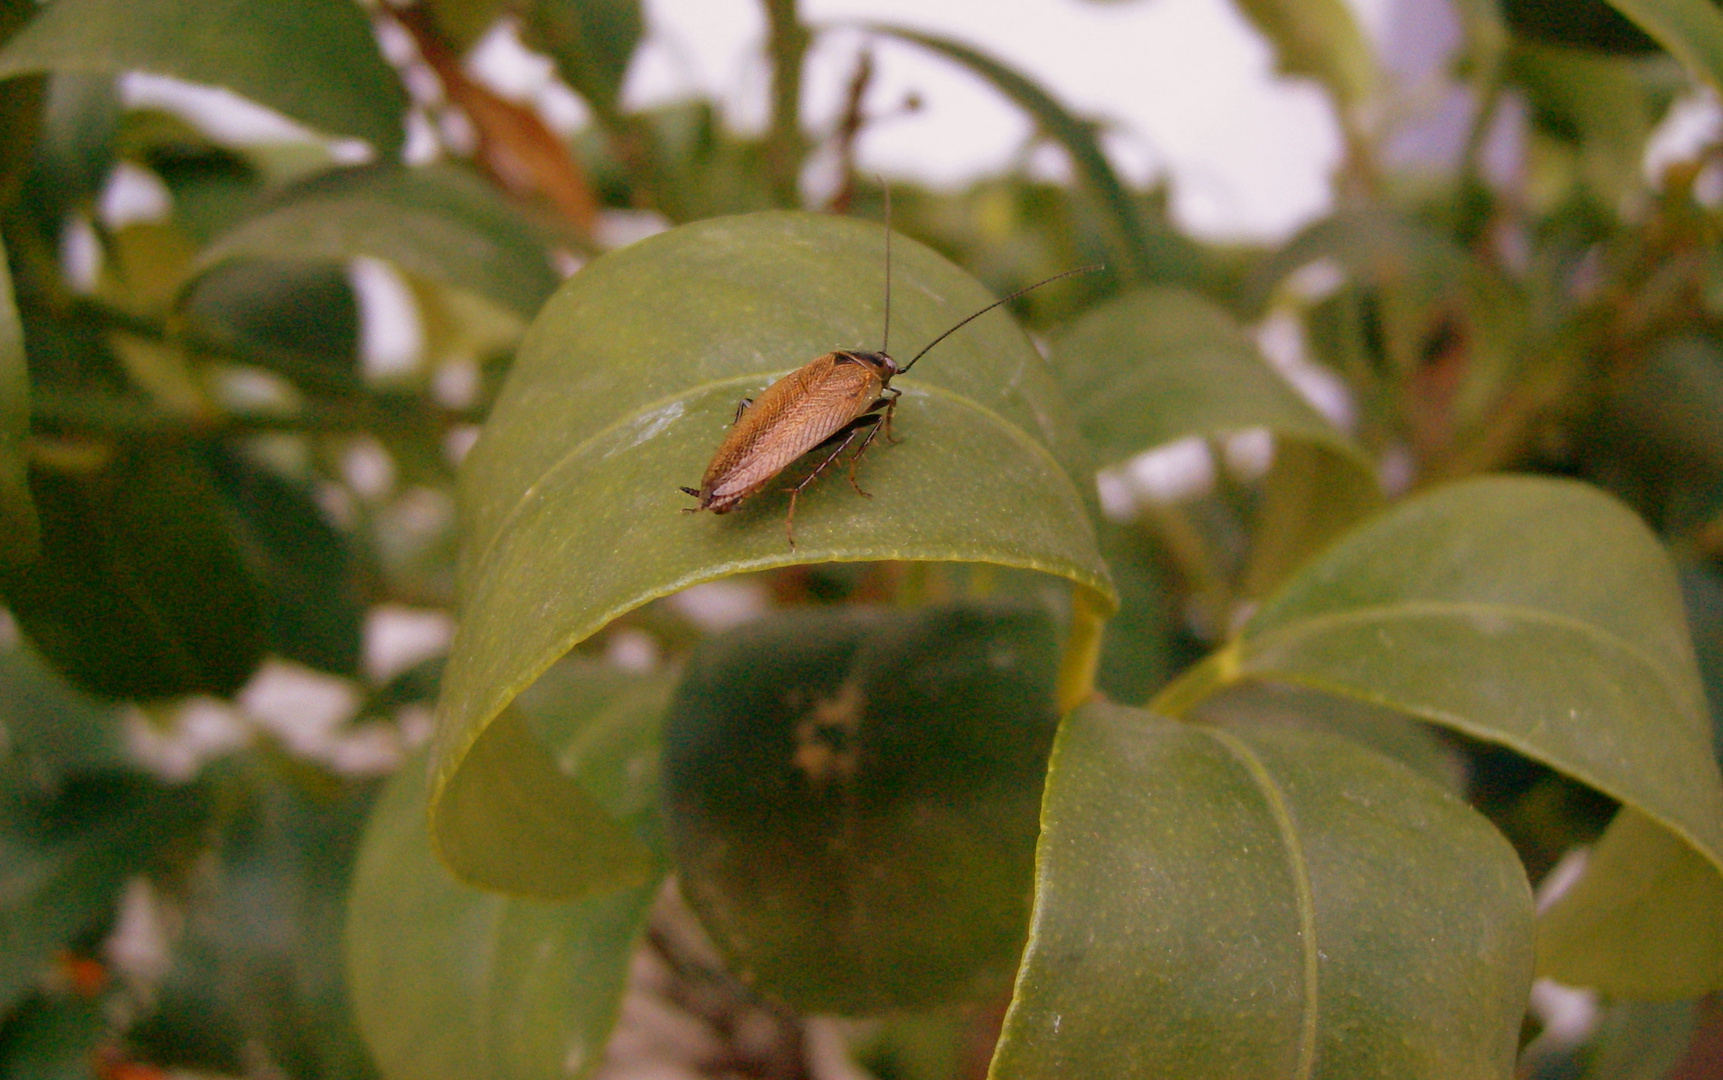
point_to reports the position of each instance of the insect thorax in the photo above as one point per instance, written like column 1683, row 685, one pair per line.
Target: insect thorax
column 884, row 366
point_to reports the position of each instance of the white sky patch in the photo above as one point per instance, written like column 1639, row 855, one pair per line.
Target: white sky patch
column 398, row 638
column 1179, row 470
column 1691, row 124
column 80, row 254
column 226, row 117
column 391, row 332
column 1280, row 338
column 133, row 194
column 631, row 649
column 174, row 741
column 1188, row 82
column 368, row 468
column 301, row 707
column 1118, row 501
column 719, row 605
column 501, row 62
column 1248, row 453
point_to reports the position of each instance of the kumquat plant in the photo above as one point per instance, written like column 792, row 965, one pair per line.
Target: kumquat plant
column 1108, row 651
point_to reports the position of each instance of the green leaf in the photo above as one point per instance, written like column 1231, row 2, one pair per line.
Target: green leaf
column 515, row 819
column 312, row 580
column 65, row 854
column 1156, row 365
column 114, row 602
column 592, row 42
column 313, row 60
column 1692, row 31
column 1603, row 105
column 1141, row 258
column 851, row 800
column 1535, row 613
column 1320, row 39
column 20, row 533
column 1645, row 920
column 438, row 222
column 54, row 1037
column 626, row 383
column 255, row 969
column 1212, row 904
column 51, row 729
column 449, row 981
column 299, row 319
column 1139, row 648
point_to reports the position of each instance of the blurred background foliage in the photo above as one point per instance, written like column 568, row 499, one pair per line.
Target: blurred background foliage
column 228, row 520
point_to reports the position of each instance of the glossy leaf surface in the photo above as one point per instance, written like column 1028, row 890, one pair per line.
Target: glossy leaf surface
column 437, row 222
column 1220, row 905
column 627, row 382
column 851, row 800
column 1496, row 607
column 279, row 55
column 453, row 982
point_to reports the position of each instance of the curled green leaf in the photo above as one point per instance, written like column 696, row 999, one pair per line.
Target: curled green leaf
column 628, row 380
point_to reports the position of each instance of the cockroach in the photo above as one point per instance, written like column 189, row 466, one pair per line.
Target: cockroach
column 825, row 405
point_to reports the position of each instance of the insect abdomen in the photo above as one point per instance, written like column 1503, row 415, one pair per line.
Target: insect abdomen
column 793, row 415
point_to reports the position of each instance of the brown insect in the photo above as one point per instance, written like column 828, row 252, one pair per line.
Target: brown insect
column 825, row 405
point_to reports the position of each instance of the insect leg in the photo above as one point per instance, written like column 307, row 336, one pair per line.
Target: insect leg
column 890, row 410
column 848, row 435
column 741, row 407
column 872, row 431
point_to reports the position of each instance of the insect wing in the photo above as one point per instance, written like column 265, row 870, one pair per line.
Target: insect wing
column 793, row 415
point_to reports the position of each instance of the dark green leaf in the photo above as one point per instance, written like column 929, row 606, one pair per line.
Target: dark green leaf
column 1602, row 105
column 51, row 729
column 65, row 854
column 451, row 982
column 625, row 385
column 1692, row 31
column 311, row 577
column 852, row 800
column 53, row 1038
column 1534, row 613
column 1139, row 649
column 256, row 973
column 19, row 530
column 299, row 319
column 1212, row 904
column 462, row 22
column 314, row 60
column 140, row 590
column 1156, row 365
column 438, row 222
column 591, row 41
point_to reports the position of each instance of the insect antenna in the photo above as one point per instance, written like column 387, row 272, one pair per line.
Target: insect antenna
column 1028, row 288
column 885, row 335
